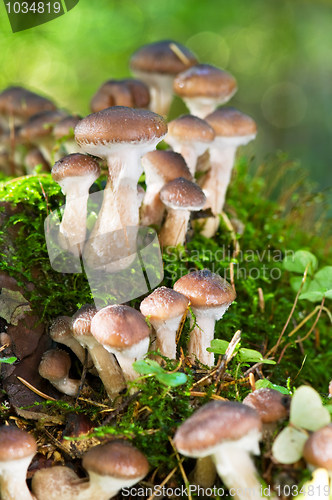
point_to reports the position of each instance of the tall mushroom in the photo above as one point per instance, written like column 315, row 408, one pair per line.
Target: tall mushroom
column 128, row 92
column 210, row 296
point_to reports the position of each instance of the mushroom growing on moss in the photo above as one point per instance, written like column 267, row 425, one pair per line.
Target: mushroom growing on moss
column 54, row 367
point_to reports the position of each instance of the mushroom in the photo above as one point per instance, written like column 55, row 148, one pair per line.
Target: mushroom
column 180, row 197
column 204, row 87
column 124, row 332
column 165, row 309
column 210, row 296
column 105, row 363
column 128, row 92
column 111, row 466
column 17, row 449
column 61, row 332
column 160, row 167
column 64, row 133
column 34, row 158
column 75, row 174
column 317, row 451
column 232, row 129
column 191, row 137
column 157, row 64
column 229, row 433
column 54, row 367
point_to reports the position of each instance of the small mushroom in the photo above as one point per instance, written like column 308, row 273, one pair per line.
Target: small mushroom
column 60, row 331
column 54, row 367
column 128, row 92
column 34, row 158
column 317, row 450
column 64, row 132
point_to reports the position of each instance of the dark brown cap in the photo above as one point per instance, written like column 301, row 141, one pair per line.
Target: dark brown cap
column 15, row 444
column 119, row 125
column 204, row 80
column 167, row 164
column 22, row 103
column 182, row 194
column 271, row 405
column 61, row 328
column 163, row 304
column 75, row 165
column 40, row 125
column 158, row 57
column 128, row 92
column 34, row 158
column 117, row 459
column 230, row 122
column 205, row 289
column 214, row 423
column 189, row 128
column 55, row 364
column 66, row 127
column 81, row 321
column 119, row 327
column 318, row 448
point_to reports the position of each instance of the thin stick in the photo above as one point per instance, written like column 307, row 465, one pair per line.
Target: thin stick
column 121, row 407
column 160, row 486
column 261, row 299
column 203, row 394
column 313, row 326
column 228, row 355
column 33, row 389
column 186, row 482
column 178, row 52
column 310, row 315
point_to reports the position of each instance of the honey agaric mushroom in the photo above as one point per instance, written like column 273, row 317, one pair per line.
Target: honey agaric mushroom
column 34, row 158
column 17, row 449
column 204, row 87
column 157, row 64
column 180, row 197
column 121, row 136
column 210, row 296
column 128, row 92
column 111, row 466
column 64, row 132
column 124, row 332
column 54, row 367
column 60, row 331
column 232, row 129
column 229, row 433
column 105, row 363
column 75, row 174
column 191, row 137
column 317, row 450
column 165, row 309
column 160, row 167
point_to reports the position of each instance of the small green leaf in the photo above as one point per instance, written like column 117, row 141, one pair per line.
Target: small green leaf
column 288, row 445
column 298, row 262
column 307, row 410
column 296, row 282
column 9, row 361
column 147, row 367
column 251, row 356
column 218, row 346
column 316, row 296
column 266, row 383
column 328, row 294
column 172, row 379
column 324, row 277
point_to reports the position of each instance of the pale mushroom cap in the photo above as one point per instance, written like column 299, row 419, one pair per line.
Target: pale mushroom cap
column 271, row 405
column 163, row 304
column 119, row 124
column 15, row 444
column 66, row 127
column 23, row 103
column 61, row 328
column 40, row 125
column 117, row 459
column 204, row 80
column 205, row 289
column 215, row 423
column 182, row 194
column 75, row 165
column 119, row 327
column 55, row 364
column 318, row 448
column 230, row 122
column 158, row 57
column 81, row 321
column 128, row 92
column 189, row 128
column 167, row 164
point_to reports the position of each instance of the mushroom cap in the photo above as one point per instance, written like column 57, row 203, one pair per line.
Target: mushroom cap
column 119, row 327
column 18, row 101
column 318, row 448
column 75, row 165
column 205, row 289
column 215, row 423
column 119, row 124
column 40, row 125
column 204, row 80
column 81, row 321
column 230, row 122
column 61, row 328
column 66, row 127
column 167, row 164
column 55, row 364
column 271, row 405
column 163, row 304
column 117, row 459
column 127, row 92
column 189, row 128
column 182, row 194
column 34, row 157
column 158, row 57
column 15, row 444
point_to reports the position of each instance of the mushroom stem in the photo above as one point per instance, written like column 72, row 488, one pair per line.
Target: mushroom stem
column 190, row 155
column 67, row 386
column 202, row 107
column 13, row 484
column 174, row 230
column 161, row 91
column 204, row 473
column 166, row 337
column 152, row 210
column 108, row 369
column 201, row 338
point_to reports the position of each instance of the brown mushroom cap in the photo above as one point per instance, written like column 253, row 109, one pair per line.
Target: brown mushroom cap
column 163, row 304
column 75, row 165
column 34, row 157
column 81, row 321
column 189, row 128
column 66, row 127
column 318, row 448
column 230, row 122
column 204, row 80
column 271, row 405
column 168, row 164
column 205, row 289
column 182, row 194
column 158, row 57
column 40, row 125
column 119, row 327
column 119, row 124
column 128, row 92
column 15, row 444
column 55, row 364
column 117, row 459
column 214, row 423
column 61, row 328
column 23, row 103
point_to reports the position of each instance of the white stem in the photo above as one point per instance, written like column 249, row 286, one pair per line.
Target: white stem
column 127, row 367
column 152, row 209
column 166, row 336
column 201, row 338
column 13, row 484
column 108, row 369
column 67, row 386
column 204, row 106
column 161, row 90
column 174, row 230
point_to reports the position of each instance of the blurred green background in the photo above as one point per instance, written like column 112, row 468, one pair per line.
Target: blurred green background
column 279, row 50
